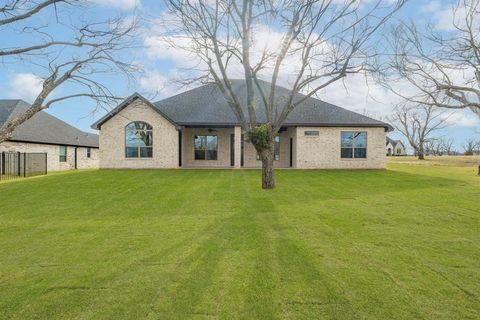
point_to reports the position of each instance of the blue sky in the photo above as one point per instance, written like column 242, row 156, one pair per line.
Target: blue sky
column 17, row 78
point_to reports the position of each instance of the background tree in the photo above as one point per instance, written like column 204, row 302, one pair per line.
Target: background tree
column 417, row 123
column 470, row 147
column 446, row 146
column 319, row 43
column 65, row 53
column 442, row 68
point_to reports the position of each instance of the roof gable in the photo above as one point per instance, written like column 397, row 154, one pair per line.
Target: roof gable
column 125, row 103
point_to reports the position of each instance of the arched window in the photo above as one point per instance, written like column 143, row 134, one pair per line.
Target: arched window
column 138, row 140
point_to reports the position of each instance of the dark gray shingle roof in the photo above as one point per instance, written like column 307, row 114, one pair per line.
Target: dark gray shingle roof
column 206, row 105
column 43, row 127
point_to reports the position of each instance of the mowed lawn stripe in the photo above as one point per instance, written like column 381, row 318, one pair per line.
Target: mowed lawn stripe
column 210, row 244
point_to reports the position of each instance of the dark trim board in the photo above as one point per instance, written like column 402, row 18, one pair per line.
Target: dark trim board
column 232, row 150
column 180, row 148
column 291, row 152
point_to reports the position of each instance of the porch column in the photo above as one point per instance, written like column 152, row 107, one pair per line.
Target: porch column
column 238, row 146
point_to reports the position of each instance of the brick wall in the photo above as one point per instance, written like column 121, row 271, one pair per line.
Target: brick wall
column 53, row 155
column 112, row 139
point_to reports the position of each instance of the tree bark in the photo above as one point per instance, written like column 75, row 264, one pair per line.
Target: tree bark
column 421, row 154
column 268, row 156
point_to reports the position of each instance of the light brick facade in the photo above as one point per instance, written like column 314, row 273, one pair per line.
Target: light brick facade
column 323, row 151
column 53, row 155
column 112, row 139
column 297, row 150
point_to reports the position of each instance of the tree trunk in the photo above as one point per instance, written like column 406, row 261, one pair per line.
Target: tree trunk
column 421, row 154
column 267, row 156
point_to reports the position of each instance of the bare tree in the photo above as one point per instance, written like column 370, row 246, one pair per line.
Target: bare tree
column 91, row 50
column 446, row 146
column 320, row 42
column 471, row 146
column 417, row 123
column 443, row 69
column 433, row 146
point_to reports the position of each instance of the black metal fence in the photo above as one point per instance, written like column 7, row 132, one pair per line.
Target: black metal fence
column 15, row 165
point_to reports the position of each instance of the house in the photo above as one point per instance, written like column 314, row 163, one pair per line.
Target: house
column 66, row 146
column 197, row 129
column 395, row 148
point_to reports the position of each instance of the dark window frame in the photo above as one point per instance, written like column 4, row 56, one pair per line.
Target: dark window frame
column 149, row 148
column 351, row 152
column 205, row 149
column 89, row 152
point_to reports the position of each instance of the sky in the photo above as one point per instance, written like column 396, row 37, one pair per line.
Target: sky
column 161, row 66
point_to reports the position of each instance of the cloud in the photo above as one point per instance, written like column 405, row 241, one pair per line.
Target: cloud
column 119, row 4
column 445, row 15
column 462, row 118
column 25, row 86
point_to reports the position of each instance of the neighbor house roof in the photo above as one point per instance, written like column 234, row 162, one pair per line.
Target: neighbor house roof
column 43, row 127
column 206, row 106
column 394, row 142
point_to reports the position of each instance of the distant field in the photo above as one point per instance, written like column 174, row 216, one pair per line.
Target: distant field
column 402, row 243
column 450, row 161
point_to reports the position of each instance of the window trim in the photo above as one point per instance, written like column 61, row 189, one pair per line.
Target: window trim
column 138, row 147
column 206, row 147
column 63, row 157
column 353, row 146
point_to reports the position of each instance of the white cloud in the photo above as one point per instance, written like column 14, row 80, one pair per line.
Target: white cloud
column 462, row 118
column 119, row 4
column 444, row 15
column 25, row 86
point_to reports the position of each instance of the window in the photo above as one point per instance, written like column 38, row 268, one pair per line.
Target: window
column 89, row 152
column 206, row 147
column 354, row 145
column 276, row 149
column 138, row 140
column 63, row 153
column 312, row 133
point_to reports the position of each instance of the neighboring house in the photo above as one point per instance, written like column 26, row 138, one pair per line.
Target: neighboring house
column 198, row 129
column 395, row 148
column 66, row 147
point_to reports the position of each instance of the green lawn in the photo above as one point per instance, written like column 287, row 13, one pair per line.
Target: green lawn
column 397, row 244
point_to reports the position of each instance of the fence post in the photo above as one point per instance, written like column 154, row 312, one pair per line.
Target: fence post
column 2, row 170
column 24, row 164
column 18, row 164
column 46, row 163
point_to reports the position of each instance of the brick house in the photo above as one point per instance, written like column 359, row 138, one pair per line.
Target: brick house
column 66, row 147
column 197, row 129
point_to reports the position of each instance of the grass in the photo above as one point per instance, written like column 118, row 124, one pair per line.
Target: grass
column 397, row 244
